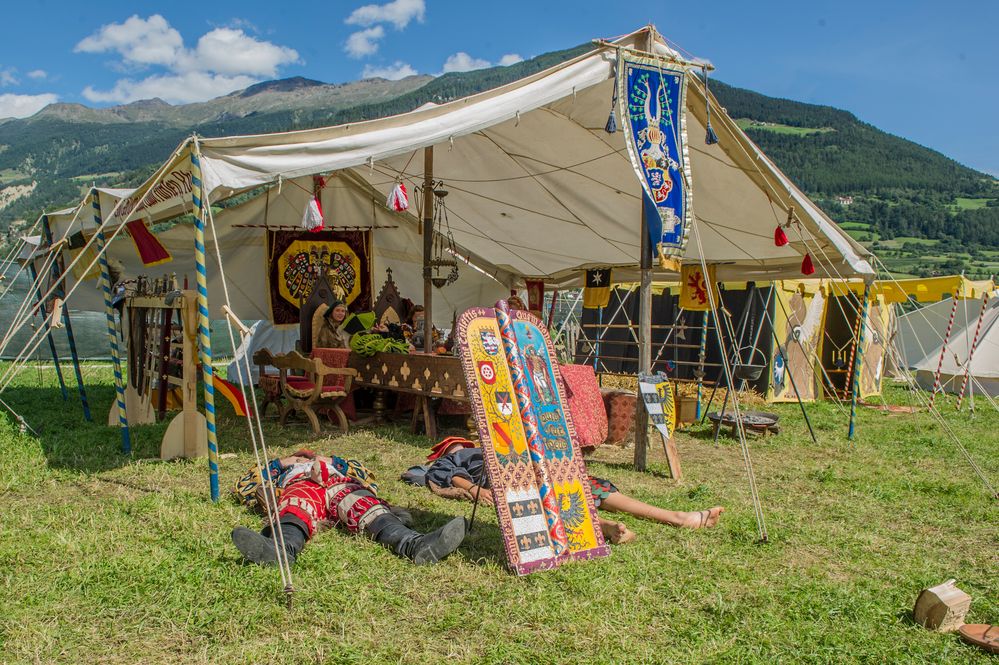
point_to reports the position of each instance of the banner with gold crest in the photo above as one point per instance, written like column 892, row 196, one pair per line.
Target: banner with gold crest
column 297, row 258
column 652, row 104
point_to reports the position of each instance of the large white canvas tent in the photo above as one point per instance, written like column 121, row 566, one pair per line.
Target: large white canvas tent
column 537, row 188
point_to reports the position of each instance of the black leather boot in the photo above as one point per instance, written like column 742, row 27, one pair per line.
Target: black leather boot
column 259, row 547
column 419, row 548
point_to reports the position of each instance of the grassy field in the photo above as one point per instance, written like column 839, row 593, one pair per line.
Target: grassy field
column 113, row 559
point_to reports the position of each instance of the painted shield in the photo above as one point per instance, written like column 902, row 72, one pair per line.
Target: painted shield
column 490, row 343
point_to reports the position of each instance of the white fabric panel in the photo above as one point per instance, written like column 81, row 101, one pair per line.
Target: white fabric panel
column 263, row 335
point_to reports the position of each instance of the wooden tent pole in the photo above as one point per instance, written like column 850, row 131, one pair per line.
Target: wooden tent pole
column 858, row 360
column 33, row 274
column 428, row 248
column 644, row 345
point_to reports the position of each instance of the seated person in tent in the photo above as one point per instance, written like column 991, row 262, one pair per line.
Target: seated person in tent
column 327, row 326
column 458, row 464
column 317, row 491
column 417, row 330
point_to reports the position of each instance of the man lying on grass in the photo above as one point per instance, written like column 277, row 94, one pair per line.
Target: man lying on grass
column 458, row 463
column 317, row 490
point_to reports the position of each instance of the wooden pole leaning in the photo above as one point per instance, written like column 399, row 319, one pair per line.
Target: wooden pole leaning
column 644, row 344
column 204, row 330
column 119, row 385
column 858, row 361
column 428, row 248
column 33, row 274
column 57, row 269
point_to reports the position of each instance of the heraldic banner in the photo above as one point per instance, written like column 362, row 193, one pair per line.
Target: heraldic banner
column 297, row 258
column 652, row 99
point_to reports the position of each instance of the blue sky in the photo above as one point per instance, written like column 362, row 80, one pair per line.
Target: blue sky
column 923, row 70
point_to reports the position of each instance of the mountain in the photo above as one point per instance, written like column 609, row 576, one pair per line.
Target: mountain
column 881, row 187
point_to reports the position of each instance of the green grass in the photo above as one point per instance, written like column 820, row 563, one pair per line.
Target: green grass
column 777, row 128
column 961, row 203
column 113, row 559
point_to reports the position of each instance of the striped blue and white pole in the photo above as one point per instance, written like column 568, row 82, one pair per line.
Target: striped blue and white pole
column 858, row 360
column 119, row 385
column 57, row 269
column 204, row 333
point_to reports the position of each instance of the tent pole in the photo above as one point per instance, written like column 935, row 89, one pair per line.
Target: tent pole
column 204, row 329
column 33, row 273
column 943, row 350
column 787, row 369
column 57, row 268
column 428, row 248
column 971, row 352
column 701, row 354
column 644, row 344
column 858, row 360
column 126, row 439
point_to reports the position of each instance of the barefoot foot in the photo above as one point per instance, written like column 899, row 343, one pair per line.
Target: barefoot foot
column 703, row 519
column 616, row 532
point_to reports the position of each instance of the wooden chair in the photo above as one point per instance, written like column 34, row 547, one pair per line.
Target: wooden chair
column 314, row 389
column 269, row 382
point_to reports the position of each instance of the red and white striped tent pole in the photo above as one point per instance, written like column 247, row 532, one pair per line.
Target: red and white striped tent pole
column 971, row 351
column 943, row 351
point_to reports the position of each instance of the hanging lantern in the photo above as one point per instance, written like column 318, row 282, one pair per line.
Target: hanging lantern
column 780, row 238
column 398, row 198
column 806, row 265
column 443, row 265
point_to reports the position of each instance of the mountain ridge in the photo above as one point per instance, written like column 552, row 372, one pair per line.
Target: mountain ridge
column 901, row 188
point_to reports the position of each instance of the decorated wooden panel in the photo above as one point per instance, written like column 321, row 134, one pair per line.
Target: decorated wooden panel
column 543, row 501
column 417, row 373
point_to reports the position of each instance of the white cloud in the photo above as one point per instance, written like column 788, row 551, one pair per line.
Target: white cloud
column 37, row 74
column 510, row 59
column 394, row 72
column 174, row 88
column 21, row 106
column 7, row 77
column 231, row 51
column 364, row 42
column 462, row 62
column 399, row 13
column 224, row 60
column 139, row 41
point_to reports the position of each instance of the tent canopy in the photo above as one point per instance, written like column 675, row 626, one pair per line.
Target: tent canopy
column 537, row 188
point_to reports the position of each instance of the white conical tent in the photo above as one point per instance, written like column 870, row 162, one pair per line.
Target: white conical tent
column 984, row 366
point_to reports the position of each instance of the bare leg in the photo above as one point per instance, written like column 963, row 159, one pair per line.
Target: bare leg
column 616, row 532
column 620, row 503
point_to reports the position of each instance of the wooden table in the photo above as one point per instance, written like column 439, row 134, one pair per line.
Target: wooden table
column 422, row 374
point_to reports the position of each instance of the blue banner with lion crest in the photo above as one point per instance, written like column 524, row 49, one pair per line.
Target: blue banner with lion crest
column 653, row 109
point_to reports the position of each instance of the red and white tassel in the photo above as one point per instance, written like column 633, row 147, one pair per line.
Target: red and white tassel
column 313, row 220
column 780, row 238
column 806, row 265
column 398, row 198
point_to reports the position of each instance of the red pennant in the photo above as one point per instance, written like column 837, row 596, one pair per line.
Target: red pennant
column 780, row 238
column 806, row 265
column 150, row 249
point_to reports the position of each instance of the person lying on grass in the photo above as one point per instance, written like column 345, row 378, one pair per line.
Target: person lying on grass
column 316, row 491
column 458, row 463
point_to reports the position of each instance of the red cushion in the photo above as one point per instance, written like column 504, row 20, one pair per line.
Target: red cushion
column 586, row 405
column 620, row 415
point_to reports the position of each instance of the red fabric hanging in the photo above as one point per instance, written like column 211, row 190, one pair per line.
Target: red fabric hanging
column 780, row 238
column 806, row 265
